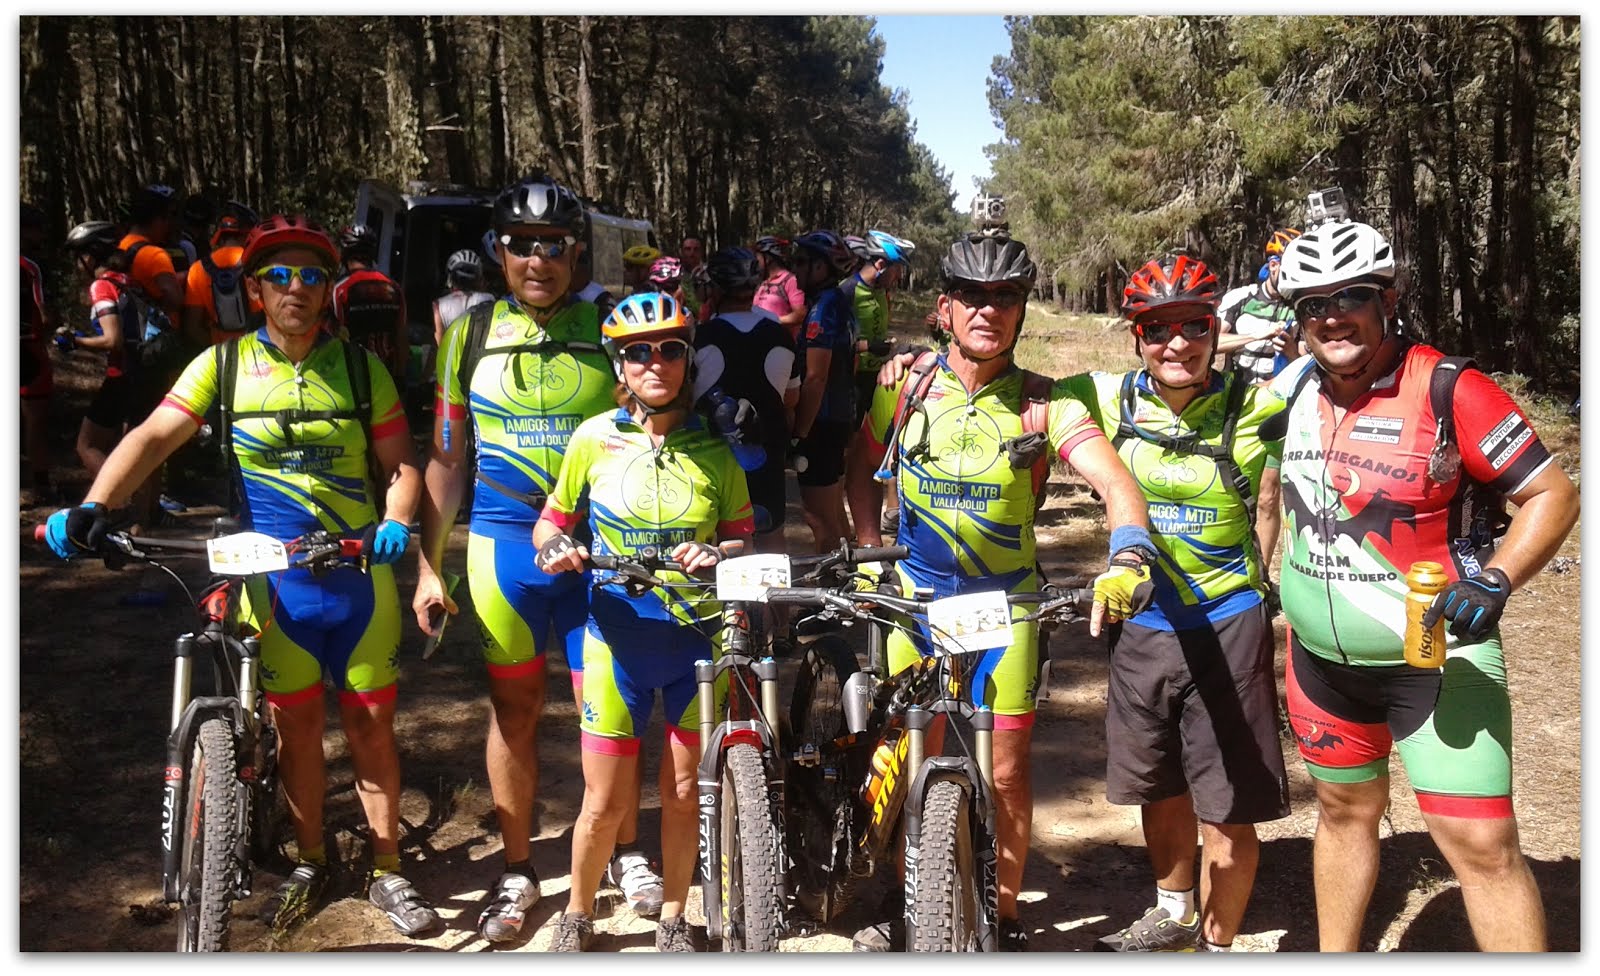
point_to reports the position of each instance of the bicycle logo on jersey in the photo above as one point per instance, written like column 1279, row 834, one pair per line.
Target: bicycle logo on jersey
column 1173, row 475
column 970, row 444
column 540, row 381
column 657, row 489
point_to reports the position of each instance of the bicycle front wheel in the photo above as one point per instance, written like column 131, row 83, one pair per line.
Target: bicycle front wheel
column 819, row 810
column 210, row 839
column 945, row 896
column 749, row 875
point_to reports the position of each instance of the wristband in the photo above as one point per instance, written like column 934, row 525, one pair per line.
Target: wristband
column 1135, row 537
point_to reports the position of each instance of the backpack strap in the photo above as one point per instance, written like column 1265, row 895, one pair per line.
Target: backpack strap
column 918, row 381
column 1441, row 394
column 227, row 359
column 1036, row 420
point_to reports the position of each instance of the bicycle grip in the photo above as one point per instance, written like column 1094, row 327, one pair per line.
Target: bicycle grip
column 879, row 554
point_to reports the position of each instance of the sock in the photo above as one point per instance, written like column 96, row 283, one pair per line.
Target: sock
column 522, row 867
column 1179, row 904
column 383, row 864
column 1205, row 946
column 315, row 855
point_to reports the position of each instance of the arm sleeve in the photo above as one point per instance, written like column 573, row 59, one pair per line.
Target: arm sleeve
column 388, row 416
column 1498, row 445
column 735, row 518
column 562, row 504
column 1071, row 420
column 196, row 388
column 450, row 400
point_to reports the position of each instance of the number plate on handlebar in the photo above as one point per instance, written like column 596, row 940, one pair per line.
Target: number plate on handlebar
column 970, row 622
column 246, row 554
column 749, row 577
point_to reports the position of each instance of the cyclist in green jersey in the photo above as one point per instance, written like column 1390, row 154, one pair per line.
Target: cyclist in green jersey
column 300, row 455
column 652, row 476
column 1191, row 705
column 885, row 259
column 539, row 373
column 967, row 498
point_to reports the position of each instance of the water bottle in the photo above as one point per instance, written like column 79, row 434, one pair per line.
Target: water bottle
column 1425, row 646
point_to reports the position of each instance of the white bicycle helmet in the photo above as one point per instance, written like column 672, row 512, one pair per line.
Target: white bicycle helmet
column 1336, row 253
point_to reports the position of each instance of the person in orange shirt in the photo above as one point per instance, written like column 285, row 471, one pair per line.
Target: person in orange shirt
column 216, row 307
column 150, row 225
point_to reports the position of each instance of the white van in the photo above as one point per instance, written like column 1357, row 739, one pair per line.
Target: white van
column 421, row 227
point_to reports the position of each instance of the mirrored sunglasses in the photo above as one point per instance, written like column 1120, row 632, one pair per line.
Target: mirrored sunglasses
column 282, row 275
column 544, row 247
column 1194, row 329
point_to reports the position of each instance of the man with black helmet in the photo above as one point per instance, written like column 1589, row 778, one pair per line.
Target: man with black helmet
column 823, row 417
column 515, row 378
column 367, row 304
column 746, row 354
column 972, row 435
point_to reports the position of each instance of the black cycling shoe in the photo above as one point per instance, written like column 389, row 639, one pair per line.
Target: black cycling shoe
column 1013, row 936
column 297, row 897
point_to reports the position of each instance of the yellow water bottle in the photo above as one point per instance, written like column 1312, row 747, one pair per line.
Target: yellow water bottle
column 1424, row 645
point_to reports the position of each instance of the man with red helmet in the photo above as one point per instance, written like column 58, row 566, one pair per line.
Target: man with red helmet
column 299, row 447
column 1191, row 708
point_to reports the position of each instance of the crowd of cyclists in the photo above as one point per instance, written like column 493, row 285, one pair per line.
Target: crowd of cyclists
column 566, row 421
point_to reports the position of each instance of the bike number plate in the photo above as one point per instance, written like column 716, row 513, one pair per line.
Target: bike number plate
column 246, row 554
column 970, row 622
column 748, row 578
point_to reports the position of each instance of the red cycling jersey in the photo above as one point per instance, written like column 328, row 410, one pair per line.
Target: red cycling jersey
column 1360, row 505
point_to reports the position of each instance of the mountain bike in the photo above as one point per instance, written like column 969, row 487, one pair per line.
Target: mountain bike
column 942, row 806
column 743, row 858
column 220, row 782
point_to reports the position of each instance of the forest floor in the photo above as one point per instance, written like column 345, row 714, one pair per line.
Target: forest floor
column 95, row 682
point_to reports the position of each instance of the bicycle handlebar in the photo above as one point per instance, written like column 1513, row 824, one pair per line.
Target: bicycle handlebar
column 1065, row 605
column 318, row 550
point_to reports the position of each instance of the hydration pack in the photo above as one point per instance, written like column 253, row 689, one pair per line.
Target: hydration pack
column 228, row 297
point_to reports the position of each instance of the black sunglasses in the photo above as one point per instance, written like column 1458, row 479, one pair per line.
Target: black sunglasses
column 1194, row 329
column 975, row 297
column 640, row 353
column 1341, row 302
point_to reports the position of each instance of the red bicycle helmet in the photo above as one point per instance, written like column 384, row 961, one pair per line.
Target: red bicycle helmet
column 279, row 231
column 1176, row 279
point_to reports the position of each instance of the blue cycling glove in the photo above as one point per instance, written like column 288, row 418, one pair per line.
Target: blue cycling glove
column 1473, row 606
column 389, row 542
column 76, row 530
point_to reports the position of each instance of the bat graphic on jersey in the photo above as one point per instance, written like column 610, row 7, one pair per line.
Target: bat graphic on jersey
column 1377, row 517
column 1321, row 739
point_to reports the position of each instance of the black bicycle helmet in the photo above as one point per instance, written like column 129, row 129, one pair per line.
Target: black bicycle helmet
column 97, row 238
column 734, row 269
column 358, row 240
column 540, row 200
column 828, row 246
column 980, row 258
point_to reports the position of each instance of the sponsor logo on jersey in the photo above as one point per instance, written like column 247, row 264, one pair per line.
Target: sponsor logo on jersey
column 1505, row 440
column 1379, row 430
column 549, row 430
column 1169, row 518
column 963, row 496
column 504, row 330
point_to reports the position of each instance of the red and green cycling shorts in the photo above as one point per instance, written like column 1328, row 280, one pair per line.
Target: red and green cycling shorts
column 1452, row 726
column 344, row 623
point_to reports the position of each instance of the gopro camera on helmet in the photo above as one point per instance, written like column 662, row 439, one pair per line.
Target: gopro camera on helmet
column 989, row 214
column 1325, row 205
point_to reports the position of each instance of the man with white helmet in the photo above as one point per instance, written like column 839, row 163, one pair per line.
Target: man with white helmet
column 1393, row 454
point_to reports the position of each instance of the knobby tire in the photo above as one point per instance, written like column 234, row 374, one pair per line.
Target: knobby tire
column 751, row 866
column 210, row 838
column 946, row 893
